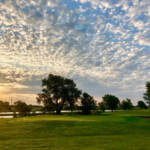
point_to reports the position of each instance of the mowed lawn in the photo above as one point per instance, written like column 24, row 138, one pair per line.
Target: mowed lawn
column 112, row 131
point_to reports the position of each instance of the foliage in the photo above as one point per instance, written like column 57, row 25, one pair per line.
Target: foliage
column 147, row 94
column 72, row 93
column 22, row 108
column 58, row 92
column 126, row 104
column 102, row 106
column 142, row 105
column 111, row 101
column 87, row 103
column 4, row 106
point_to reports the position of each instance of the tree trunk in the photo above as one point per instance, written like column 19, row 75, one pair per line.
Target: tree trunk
column 58, row 111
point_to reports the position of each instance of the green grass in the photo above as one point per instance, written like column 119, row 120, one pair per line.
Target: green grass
column 112, row 131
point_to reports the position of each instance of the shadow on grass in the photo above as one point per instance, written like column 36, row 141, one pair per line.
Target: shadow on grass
column 145, row 117
column 104, row 114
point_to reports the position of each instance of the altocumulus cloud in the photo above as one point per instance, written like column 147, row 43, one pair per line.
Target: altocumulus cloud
column 103, row 45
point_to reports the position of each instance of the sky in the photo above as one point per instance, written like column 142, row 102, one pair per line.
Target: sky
column 103, row 45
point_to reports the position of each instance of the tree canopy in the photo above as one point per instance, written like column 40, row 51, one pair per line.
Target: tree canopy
column 22, row 108
column 4, row 106
column 142, row 105
column 111, row 101
column 126, row 104
column 102, row 106
column 58, row 91
column 88, row 103
column 147, row 94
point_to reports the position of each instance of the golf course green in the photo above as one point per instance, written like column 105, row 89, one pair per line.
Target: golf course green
column 120, row 130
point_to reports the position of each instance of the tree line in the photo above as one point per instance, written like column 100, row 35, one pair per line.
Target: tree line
column 18, row 106
column 60, row 93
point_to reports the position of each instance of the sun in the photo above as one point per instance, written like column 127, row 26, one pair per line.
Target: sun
column 1, row 88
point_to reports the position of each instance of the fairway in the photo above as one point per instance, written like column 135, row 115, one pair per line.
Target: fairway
column 114, row 131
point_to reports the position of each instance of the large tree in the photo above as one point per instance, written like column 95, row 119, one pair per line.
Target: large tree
column 147, row 94
column 111, row 101
column 126, row 104
column 58, row 91
column 87, row 103
column 72, row 93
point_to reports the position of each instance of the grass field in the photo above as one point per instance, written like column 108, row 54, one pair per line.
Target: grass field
column 112, row 131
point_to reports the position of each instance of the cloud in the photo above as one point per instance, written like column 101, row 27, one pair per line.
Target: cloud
column 143, row 38
column 103, row 42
